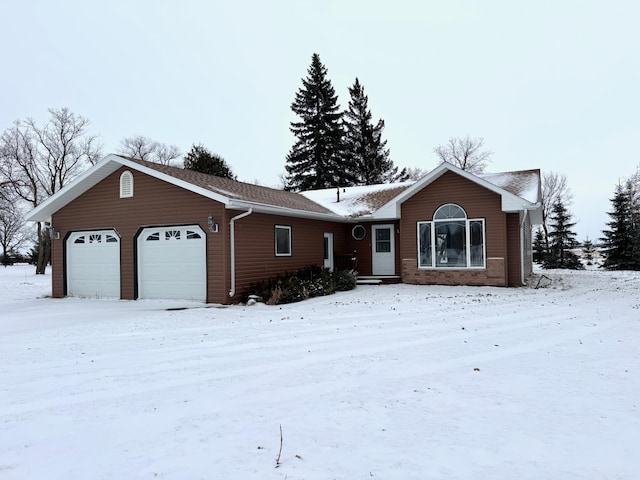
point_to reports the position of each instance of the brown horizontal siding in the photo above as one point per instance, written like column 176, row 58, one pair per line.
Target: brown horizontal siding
column 362, row 250
column 478, row 202
column 513, row 248
column 255, row 246
column 155, row 203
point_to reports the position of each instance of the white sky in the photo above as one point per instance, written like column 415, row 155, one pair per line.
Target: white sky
column 548, row 84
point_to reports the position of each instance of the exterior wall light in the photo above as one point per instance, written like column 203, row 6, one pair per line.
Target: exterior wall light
column 213, row 226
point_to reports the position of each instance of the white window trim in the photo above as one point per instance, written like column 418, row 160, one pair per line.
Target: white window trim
column 432, row 224
column 124, row 191
column 288, row 229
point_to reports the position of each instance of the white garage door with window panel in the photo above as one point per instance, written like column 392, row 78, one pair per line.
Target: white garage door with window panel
column 172, row 263
column 93, row 264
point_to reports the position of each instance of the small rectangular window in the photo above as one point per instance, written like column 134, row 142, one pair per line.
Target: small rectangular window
column 283, row 241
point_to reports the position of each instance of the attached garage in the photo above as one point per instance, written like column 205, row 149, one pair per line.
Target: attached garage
column 172, row 263
column 93, row 264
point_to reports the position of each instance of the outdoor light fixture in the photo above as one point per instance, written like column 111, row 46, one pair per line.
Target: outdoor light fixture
column 213, row 226
column 53, row 233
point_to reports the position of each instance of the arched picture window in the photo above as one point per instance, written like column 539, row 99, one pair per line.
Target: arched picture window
column 451, row 240
column 126, row 184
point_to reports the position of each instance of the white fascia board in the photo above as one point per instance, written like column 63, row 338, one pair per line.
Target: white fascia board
column 73, row 190
column 283, row 211
column 391, row 209
column 173, row 180
column 99, row 172
column 509, row 201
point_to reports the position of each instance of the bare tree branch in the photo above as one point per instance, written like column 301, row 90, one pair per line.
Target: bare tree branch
column 465, row 153
column 36, row 162
column 143, row 148
column 554, row 187
column 13, row 233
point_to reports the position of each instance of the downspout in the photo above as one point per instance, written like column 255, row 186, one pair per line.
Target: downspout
column 232, row 233
column 522, row 247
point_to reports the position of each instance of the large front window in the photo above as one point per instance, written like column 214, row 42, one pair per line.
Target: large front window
column 451, row 240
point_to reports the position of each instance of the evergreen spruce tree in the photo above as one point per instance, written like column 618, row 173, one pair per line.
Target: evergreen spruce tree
column 202, row 160
column 562, row 240
column 539, row 247
column 316, row 160
column 588, row 250
column 633, row 190
column 621, row 237
column 364, row 147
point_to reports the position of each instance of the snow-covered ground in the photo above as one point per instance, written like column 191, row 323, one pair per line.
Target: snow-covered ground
column 386, row 382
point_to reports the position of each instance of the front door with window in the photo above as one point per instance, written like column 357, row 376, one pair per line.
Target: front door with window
column 384, row 253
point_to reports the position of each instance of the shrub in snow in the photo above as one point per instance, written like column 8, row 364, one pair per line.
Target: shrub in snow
column 312, row 281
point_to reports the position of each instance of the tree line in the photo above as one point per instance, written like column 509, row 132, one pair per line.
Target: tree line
column 36, row 161
column 332, row 148
column 555, row 244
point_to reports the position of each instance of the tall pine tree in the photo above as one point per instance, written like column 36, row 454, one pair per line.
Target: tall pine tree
column 562, row 240
column 364, row 147
column 316, row 160
column 539, row 247
column 620, row 250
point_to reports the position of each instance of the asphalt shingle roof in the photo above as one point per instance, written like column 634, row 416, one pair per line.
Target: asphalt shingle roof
column 236, row 190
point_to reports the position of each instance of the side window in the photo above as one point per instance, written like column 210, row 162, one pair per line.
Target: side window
column 283, row 241
column 126, row 184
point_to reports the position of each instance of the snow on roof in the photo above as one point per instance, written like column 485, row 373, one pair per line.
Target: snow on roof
column 524, row 184
column 356, row 201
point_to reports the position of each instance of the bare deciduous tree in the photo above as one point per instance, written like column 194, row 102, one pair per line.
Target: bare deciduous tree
column 555, row 188
column 13, row 233
column 143, row 148
column 36, row 162
column 415, row 173
column 465, row 153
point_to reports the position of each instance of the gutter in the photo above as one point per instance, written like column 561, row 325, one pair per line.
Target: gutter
column 232, row 232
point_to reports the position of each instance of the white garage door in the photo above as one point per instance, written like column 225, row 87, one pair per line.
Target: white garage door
column 172, row 263
column 93, row 264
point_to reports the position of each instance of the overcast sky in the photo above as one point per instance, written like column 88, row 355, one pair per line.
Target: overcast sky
column 548, row 84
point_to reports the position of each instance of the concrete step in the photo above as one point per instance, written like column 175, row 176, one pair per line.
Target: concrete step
column 378, row 279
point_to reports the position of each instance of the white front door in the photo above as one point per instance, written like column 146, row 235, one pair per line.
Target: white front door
column 384, row 253
column 328, row 251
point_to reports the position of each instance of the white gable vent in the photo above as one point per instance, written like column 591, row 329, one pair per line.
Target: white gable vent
column 126, row 184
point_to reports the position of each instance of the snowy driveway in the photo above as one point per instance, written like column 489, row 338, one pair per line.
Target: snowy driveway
column 387, row 382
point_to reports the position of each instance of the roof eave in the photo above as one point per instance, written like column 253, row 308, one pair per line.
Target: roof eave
column 283, row 211
column 99, row 172
column 73, row 190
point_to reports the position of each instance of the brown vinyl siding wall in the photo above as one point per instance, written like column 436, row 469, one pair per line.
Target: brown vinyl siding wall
column 155, row 203
column 255, row 246
column 528, row 247
column 514, row 266
column 362, row 250
column 478, row 202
